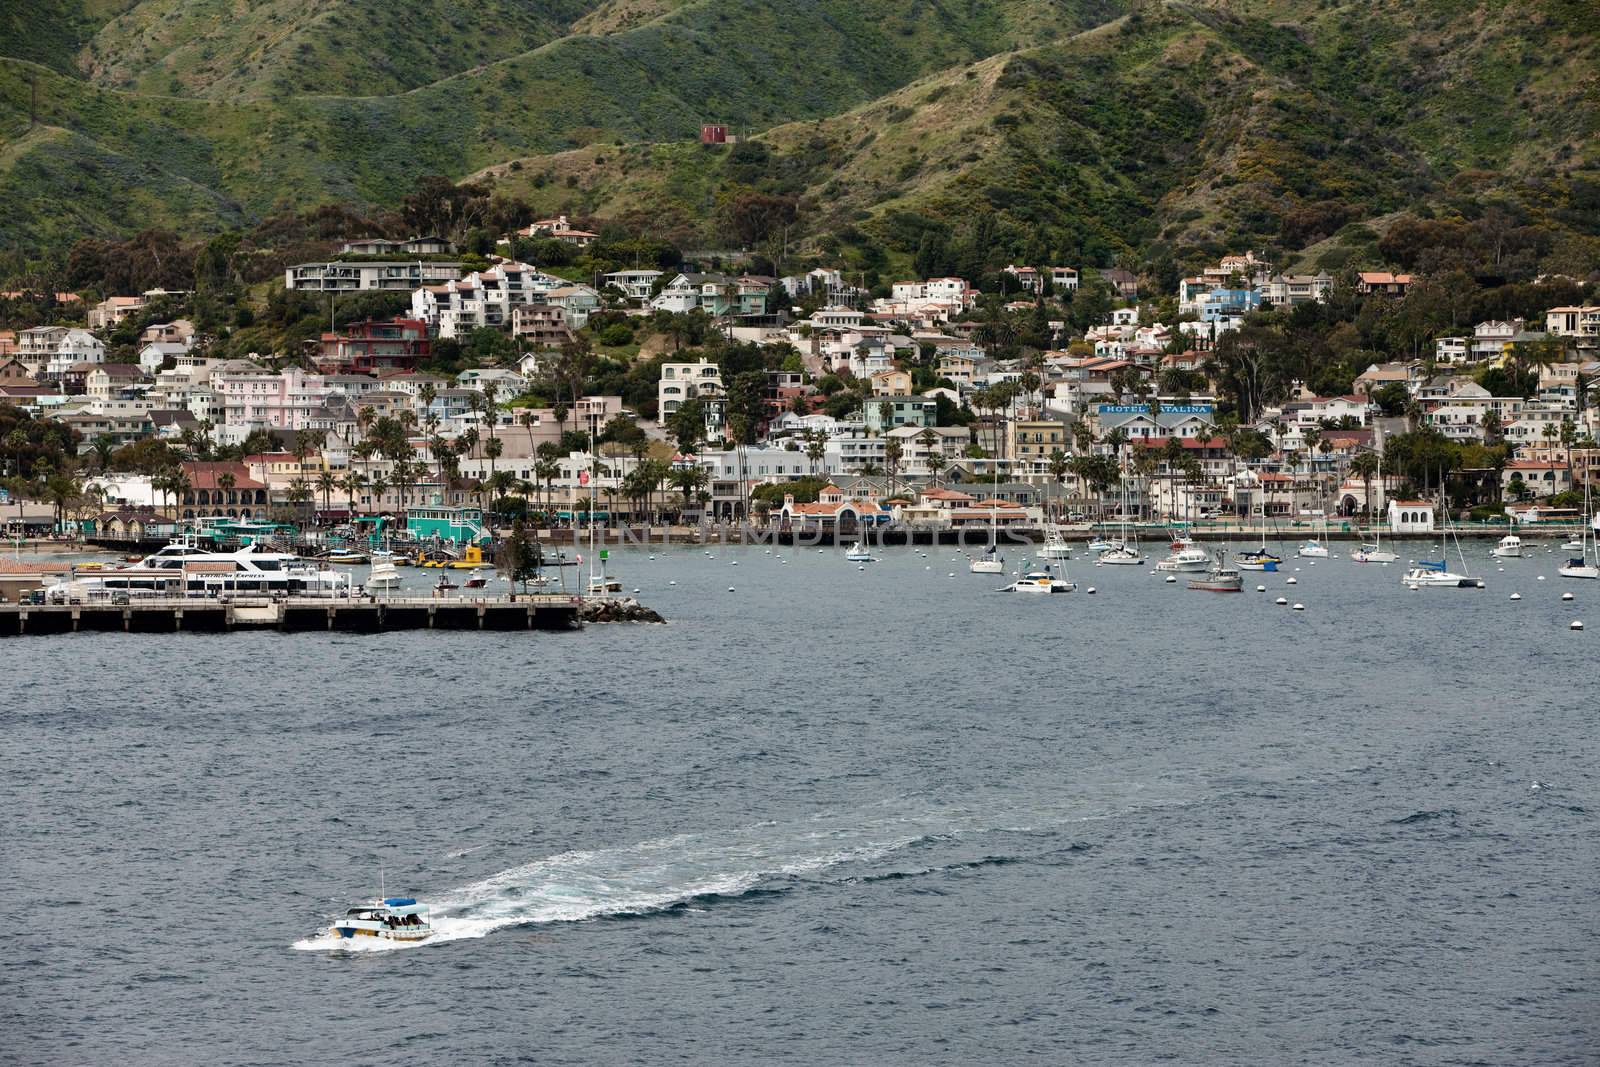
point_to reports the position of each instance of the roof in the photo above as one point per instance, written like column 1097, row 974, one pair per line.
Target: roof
column 206, row 475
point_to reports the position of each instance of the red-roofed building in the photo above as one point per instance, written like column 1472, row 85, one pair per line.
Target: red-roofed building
column 1381, row 281
column 221, row 489
column 831, row 512
column 370, row 347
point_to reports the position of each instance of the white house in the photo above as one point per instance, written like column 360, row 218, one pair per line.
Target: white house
column 686, row 381
column 633, row 284
column 152, row 355
column 1411, row 516
column 78, row 346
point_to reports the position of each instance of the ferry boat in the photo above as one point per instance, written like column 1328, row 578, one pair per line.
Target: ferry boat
column 183, row 568
column 391, row 919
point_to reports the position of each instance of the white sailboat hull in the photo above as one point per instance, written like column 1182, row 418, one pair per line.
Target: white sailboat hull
column 987, row 566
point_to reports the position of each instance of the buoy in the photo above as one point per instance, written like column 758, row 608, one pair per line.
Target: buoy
column 672, row 583
column 1261, row 589
column 862, row 567
column 1299, row 607
column 1170, row 579
column 1516, row 596
column 636, row 592
column 733, row 563
column 1090, row 590
column 652, row 557
column 952, row 574
column 1292, row 581
column 1311, row 563
column 1577, row 624
column 1297, row 571
column 1541, row 578
column 1414, row 587
column 1566, row 596
column 1281, row 600
column 927, row 568
column 819, row 551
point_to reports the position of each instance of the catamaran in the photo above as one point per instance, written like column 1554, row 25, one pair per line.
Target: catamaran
column 184, row 569
column 1041, row 581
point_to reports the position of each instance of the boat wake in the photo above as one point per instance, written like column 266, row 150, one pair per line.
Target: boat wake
column 674, row 872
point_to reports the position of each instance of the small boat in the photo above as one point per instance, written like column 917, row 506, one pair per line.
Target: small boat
column 599, row 585
column 1433, row 574
column 1373, row 553
column 344, row 556
column 1586, row 564
column 858, row 553
column 991, row 562
column 1122, row 556
column 477, row 580
column 1055, row 545
column 1184, row 559
column 1044, row 581
column 1103, row 544
column 1257, row 559
column 383, row 576
column 1510, row 547
column 1313, row 550
column 390, row 919
column 1578, row 567
column 444, row 584
column 1219, row 578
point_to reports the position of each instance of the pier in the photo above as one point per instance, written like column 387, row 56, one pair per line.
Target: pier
column 293, row 615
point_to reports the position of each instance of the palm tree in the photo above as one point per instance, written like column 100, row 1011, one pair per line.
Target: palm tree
column 688, row 480
column 816, row 447
column 326, row 483
column 1059, row 465
column 1365, row 465
column 226, row 481
column 935, row 465
column 379, row 486
column 299, row 493
column 493, row 448
column 893, row 453
column 546, row 470
column 351, row 483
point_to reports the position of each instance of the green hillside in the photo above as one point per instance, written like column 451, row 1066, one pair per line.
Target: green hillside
column 1179, row 130
column 650, row 74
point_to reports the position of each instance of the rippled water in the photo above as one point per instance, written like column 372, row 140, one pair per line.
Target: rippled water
column 833, row 815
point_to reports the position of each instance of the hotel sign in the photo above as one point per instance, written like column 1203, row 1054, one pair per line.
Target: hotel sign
column 1166, row 409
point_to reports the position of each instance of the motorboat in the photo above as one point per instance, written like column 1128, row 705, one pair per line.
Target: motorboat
column 1434, row 574
column 1510, row 547
column 1185, row 560
column 859, row 553
column 1373, row 553
column 1257, row 559
column 1044, row 581
column 1219, row 578
column 477, row 580
column 384, row 575
column 1103, row 544
column 344, row 556
column 184, row 569
column 444, row 584
column 389, row 919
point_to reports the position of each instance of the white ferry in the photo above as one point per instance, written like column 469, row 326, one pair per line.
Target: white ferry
column 185, row 569
column 392, row 919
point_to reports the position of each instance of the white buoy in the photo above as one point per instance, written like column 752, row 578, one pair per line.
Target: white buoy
column 1311, row 563
column 1281, row 600
column 733, row 563
column 672, row 583
column 1516, row 596
column 1090, row 590
column 819, row 551
column 1541, row 578
column 952, row 574
column 1297, row 571
column 636, row 592
column 1414, row 587
column 1577, row 624
column 1299, row 607
column 1170, row 579
column 927, row 568
column 862, row 567
column 1566, row 596
column 1292, row 581
column 1261, row 589
column 652, row 557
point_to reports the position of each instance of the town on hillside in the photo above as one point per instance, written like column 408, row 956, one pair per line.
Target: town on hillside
column 559, row 373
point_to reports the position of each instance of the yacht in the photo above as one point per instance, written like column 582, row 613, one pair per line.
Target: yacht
column 183, row 568
column 1045, row 581
column 391, row 919
column 1103, row 544
column 1510, row 547
column 1186, row 559
column 477, row 580
column 384, row 575
column 1122, row 556
column 1434, row 574
column 1373, row 553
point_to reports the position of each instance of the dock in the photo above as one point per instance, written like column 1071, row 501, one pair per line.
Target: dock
column 294, row 615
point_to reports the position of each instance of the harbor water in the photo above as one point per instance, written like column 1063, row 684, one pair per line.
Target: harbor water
column 829, row 814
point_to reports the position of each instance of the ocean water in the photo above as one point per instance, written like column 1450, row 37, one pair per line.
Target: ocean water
column 827, row 815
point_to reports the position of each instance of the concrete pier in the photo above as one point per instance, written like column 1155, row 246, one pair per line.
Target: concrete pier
column 293, row 615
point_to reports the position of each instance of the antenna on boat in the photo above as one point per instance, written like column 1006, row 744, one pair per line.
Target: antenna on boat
column 383, row 893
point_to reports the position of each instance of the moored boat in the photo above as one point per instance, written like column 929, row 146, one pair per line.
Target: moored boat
column 1188, row 559
column 1433, row 574
column 859, row 553
column 1042, row 581
column 1510, row 547
column 1219, row 578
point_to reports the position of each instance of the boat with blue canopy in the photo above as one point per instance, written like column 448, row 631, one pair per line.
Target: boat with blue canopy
column 391, row 919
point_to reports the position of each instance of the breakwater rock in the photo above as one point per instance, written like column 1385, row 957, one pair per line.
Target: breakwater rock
column 617, row 609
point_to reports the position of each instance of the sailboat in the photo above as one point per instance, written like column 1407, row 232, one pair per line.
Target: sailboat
column 991, row 562
column 1121, row 553
column 1375, row 552
column 1055, row 545
column 1317, row 547
column 1435, row 574
column 1587, row 563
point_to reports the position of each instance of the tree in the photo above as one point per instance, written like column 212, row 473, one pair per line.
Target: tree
column 893, row 453
column 519, row 558
column 326, row 483
column 352, row 483
column 689, row 480
column 816, row 448
column 687, row 425
column 1059, row 466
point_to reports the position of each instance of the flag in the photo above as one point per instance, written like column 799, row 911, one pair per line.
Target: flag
column 583, row 477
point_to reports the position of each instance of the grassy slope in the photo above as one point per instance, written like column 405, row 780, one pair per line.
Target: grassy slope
column 750, row 63
column 1190, row 126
